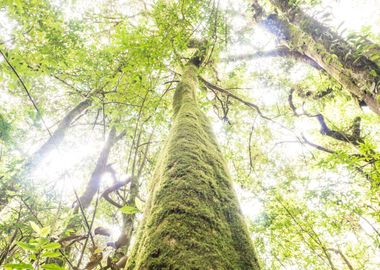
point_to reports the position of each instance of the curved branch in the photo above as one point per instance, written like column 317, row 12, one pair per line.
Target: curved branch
column 228, row 93
column 321, row 148
column 354, row 139
column 113, row 188
column 101, row 166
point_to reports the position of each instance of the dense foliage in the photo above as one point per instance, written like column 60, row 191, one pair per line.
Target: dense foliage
column 86, row 90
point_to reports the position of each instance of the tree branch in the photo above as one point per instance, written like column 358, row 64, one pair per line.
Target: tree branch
column 354, row 139
column 113, row 188
column 321, row 148
column 229, row 94
column 280, row 51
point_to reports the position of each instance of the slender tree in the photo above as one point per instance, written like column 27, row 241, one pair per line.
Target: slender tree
column 57, row 136
column 51, row 143
column 100, row 168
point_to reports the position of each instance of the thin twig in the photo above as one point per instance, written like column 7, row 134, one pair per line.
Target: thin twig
column 27, row 92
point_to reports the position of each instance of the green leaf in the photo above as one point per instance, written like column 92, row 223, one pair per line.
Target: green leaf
column 18, row 266
column 26, row 246
column 51, row 266
column 35, row 227
column 52, row 245
column 128, row 209
column 44, row 231
column 373, row 73
column 51, row 254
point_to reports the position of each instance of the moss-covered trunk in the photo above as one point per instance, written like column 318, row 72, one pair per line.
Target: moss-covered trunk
column 192, row 219
column 356, row 72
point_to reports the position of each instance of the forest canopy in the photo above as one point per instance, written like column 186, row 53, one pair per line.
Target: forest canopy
column 164, row 134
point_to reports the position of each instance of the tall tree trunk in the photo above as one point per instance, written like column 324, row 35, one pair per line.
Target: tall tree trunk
column 192, row 218
column 57, row 136
column 300, row 32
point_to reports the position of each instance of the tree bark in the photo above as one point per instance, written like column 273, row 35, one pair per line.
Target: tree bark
column 124, row 241
column 300, row 32
column 128, row 219
column 101, row 164
column 192, row 219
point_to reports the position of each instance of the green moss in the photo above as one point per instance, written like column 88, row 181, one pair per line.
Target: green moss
column 336, row 56
column 192, row 219
column 378, row 98
column 328, row 60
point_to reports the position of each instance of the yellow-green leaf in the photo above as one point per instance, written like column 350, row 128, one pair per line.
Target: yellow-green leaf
column 128, row 209
column 52, row 245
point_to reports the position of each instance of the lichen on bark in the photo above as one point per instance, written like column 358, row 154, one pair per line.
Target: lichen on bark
column 192, row 218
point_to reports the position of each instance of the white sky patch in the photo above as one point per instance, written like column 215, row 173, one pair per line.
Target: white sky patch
column 366, row 224
column 376, row 259
column 298, row 72
column 265, row 95
column 107, row 179
column 7, row 26
column 231, row 4
column 250, row 206
column 306, row 124
column 353, row 14
column 218, row 129
column 8, row 100
column 260, row 40
column 238, row 49
column 76, row 9
column 263, row 39
column 115, row 231
column 349, row 237
column 59, row 161
column 238, row 22
column 291, row 149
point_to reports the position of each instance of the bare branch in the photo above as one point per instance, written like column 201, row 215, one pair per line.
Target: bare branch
column 354, row 139
column 321, row 148
column 113, row 188
column 228, row 93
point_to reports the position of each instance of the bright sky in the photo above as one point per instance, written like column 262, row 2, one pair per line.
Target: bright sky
column 354, row 14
